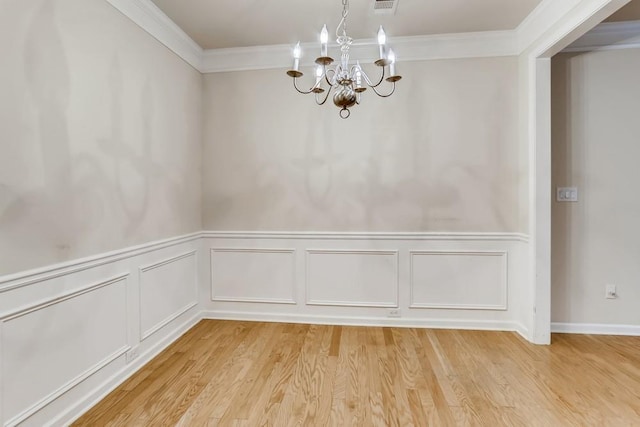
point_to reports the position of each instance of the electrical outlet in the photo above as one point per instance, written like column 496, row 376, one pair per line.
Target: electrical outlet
column 394, row 312
column 132, row 354
column 611, row 292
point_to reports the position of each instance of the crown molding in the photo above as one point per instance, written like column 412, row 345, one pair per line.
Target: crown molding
column 609, row 36
column 150, row 18
column 564, row 21
column 536, row 24
column 442, row 46
column 547, row 16
column 416, row 48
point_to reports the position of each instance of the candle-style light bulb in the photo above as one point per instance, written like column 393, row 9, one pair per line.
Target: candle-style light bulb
column 319, row 73
column 382, row 40
column 358, row 75
column 297, row 53
column 324, row 39
column 392, row 62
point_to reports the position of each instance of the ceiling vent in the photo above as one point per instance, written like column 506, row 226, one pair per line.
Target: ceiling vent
column 385, row 7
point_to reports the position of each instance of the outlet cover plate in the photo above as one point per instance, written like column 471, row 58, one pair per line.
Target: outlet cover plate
column 132, row 354
column 611, row 292
column 394, row 312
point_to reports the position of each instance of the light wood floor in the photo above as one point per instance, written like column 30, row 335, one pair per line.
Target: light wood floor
column 254, row 374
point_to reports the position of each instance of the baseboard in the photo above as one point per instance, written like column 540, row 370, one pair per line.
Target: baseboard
column 522, row 330
column 461, row 324
column 595, row 329
column 73, row 413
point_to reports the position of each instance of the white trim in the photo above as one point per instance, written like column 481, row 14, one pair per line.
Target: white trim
column 290, row 251
column 74, row 412
column 540, row 200
column 480, row 325
column 595, row 329
column 330, row 303
column 222, row 298
column 522, row 331
column 549, row 30
column 67, row 296
column 609, row 36
column 566, row 22
column 365, row 304
column 30, row 277
column 505, row 281
column 143, row 269
column 44, row 401
column 255, row 300
column 365, row 235
column 150, row 18
column 415, row 48
column 537, row 23
column 66, row 387
column 146, row 334
column 154, row 21
column 2, row 409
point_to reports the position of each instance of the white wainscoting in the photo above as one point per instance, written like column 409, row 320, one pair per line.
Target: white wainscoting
column 69, row 333
column 72, row 332
column 168, row 288
column 446, row 280
column 254, row 275
column 459, row 280
column 352, row 278
column 50, row 347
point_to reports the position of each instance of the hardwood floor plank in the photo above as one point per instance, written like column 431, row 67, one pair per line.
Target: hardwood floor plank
column 225, row 373
column 293, row 408
column 267, row 397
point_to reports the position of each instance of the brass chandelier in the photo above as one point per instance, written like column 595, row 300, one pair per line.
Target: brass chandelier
column 347, row 81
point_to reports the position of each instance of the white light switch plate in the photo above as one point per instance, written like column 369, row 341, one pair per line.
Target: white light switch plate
column 567, row 194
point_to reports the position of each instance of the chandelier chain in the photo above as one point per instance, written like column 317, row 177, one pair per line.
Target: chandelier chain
column 343, row 22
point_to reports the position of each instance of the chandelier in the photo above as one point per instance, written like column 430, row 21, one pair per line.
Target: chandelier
column 347, row 81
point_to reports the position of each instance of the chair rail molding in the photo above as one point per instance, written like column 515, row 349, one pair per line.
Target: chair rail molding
column 306, row 271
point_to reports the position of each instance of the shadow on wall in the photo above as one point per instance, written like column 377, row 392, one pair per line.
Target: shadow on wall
column 45, row 213
column 567, row 108
column 129, row 168
column 87, row 200
column 394, row 165
column 422, row 202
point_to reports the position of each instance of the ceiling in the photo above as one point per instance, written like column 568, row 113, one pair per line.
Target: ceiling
column 239, row 23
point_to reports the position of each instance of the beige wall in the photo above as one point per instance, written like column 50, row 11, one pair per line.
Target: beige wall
column 629, row 12
column 101, row 134
column 439, row 155
column 596, row 101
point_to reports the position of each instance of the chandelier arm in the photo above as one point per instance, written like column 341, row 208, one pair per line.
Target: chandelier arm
column 326, row 76
column 302, row 91
column 348, row 82
column 325, row 98
column 368, row 81
column 393, row 89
